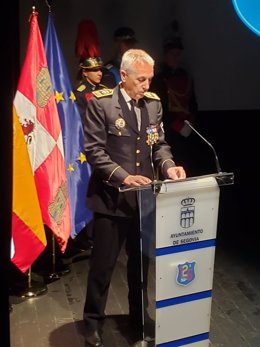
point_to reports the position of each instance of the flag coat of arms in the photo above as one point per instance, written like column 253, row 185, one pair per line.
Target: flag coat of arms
column 77, row 169
column 37, row 111
column 28, row 235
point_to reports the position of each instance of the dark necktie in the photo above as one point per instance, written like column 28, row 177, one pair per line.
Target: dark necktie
column 137, row 113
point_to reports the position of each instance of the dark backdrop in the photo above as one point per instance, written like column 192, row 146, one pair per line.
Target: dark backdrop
column 220, row 52
column 223, row 57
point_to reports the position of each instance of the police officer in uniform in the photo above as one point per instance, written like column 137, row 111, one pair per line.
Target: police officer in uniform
column 93, row 76
column 120, row 127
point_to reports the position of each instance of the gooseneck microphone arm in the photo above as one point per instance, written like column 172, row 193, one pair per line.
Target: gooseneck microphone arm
column 209, row 144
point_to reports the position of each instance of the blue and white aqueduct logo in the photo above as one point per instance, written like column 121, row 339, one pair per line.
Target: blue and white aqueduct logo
column 187, row 212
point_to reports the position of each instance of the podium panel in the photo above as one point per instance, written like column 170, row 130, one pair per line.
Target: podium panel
column 186, row 212
column 178, row 323
column 186, row 224
column 178, row 225
column 170, row 275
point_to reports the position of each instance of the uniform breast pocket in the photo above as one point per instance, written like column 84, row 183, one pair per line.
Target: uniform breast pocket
column 118, row 131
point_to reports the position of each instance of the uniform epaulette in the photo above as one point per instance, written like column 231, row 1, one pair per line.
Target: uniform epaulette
column 81, row 88
column 103, row 86
column 151, row 95
column 109, row 66
column 102, row 92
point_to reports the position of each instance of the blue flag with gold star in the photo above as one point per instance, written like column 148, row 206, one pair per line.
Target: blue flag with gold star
column 77, row 169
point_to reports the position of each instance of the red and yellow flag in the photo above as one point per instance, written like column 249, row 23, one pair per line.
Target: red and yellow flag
column 37, row 111
column 28, row 235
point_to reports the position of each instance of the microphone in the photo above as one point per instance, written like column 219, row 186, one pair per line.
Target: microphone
column 209, row 144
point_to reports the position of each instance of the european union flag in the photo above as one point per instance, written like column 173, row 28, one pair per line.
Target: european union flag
column 77, row 169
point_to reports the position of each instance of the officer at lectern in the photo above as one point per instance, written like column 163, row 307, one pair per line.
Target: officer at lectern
column 125, row 145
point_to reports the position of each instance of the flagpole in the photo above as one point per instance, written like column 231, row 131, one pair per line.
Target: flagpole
column 34, row 290
column 48, row 3
column 53, row 276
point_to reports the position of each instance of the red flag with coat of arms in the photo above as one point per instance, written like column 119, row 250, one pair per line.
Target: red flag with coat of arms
column 37, row 111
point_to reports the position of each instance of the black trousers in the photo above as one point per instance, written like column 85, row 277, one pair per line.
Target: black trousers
column 109, row 234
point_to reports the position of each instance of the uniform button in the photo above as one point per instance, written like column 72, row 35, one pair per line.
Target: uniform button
column 119, row 133
column 137, row 164
column 138, row 138
column 138, row 151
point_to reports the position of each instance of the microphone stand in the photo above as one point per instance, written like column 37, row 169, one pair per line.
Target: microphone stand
column 209, row 144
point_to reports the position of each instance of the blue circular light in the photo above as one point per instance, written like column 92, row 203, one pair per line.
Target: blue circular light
column 249, row 12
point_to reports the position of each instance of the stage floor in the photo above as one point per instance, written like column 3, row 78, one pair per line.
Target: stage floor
column 54, row 319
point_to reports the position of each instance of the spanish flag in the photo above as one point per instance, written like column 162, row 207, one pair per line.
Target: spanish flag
column 28, row 235
column 37, row 112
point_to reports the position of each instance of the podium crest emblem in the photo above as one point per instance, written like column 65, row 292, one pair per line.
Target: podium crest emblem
column 187, row 212
column 185, row 273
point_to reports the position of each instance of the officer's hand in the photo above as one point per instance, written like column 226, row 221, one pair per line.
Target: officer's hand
column 176, row 173
column 136, row 180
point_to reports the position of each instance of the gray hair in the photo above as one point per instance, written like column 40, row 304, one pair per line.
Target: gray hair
column 133, row 56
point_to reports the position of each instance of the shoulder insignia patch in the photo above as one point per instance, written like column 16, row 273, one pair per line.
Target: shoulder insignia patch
column 102, row 92
column 151, row 95
column 81, row 88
